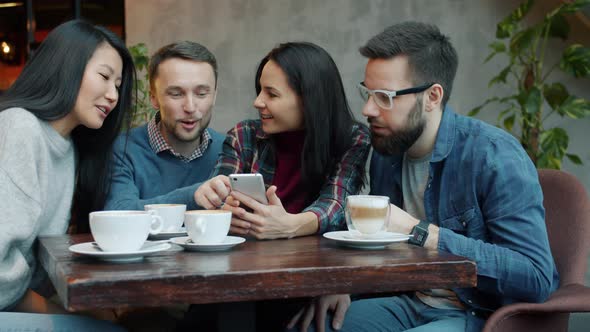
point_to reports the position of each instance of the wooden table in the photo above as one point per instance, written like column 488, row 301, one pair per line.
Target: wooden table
column 255, row 270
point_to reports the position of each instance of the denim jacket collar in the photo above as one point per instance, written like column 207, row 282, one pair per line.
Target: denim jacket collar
column 445, row 138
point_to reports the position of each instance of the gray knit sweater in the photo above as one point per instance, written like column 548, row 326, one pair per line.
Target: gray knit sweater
column 37, row 171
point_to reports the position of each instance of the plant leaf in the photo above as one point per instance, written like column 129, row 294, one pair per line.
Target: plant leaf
column 553, row 145
column 555, row 94
column 507, row 98
column 521, row 99
column 574, row 158
column 501, row 77
column 559, row 28
column 509, row 122
column 497, row 47
column 572, row 7
column 522, row 40
column 554, row 142
column 576, row 60
column 575, row 108
column 547, row 161
column 476, row 110
column 507, row 26
column 533, row 101
column 504, row 112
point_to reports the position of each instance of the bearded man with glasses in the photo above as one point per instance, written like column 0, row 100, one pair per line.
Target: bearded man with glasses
column 455, row 183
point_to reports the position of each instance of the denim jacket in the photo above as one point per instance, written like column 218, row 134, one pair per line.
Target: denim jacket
column 484, row 193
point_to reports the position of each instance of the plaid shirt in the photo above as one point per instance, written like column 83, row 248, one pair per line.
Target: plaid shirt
column 159, row 144
column 247, row 149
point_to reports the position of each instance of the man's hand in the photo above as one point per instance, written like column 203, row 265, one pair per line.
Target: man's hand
column 400, row 221
column 338, row 304
column 212, row 193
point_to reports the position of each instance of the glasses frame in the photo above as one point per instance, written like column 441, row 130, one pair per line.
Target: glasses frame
column 389, row 93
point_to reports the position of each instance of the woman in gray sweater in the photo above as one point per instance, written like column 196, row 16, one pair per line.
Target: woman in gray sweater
column 57, row 125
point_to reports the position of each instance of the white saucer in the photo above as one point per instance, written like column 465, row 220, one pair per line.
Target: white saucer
column 188, row 244
column 168, row 235
column 378, row 241
column 89, row 249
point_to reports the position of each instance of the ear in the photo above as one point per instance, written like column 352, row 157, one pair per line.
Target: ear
column 433, row 97
column 214, row 97
column 154, row 100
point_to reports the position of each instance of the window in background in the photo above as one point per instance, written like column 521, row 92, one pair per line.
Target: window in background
column 13, row 41
column 25, row 24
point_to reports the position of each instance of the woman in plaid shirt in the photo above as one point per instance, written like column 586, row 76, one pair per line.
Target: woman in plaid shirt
column 306, row 144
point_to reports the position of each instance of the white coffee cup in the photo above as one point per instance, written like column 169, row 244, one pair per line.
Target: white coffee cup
column 172, row 215
column 207, row 226
column 367, row 214
column 123, row 231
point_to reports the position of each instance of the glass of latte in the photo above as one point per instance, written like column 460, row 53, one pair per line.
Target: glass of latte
column 367, row 215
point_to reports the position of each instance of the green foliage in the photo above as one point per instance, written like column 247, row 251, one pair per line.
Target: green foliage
column 527, row 73
column 144, row 110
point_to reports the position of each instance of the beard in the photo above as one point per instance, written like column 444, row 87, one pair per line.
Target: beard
column 180, row 135
column 401, row 141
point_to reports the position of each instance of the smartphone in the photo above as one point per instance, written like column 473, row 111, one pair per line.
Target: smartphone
column 249, row 184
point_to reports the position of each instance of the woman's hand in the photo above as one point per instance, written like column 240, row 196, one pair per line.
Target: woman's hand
column 238, row 226
column 212, row 193
column 265, row 221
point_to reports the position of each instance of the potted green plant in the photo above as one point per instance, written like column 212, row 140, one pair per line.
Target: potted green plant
column 143, row 107
column 528, row 75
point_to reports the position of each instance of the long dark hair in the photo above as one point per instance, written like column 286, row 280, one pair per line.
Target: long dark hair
column 313, row 75
column 48, row 87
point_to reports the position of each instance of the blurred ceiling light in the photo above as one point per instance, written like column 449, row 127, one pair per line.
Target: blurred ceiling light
column 10, row 4
column 5, row 48
column 7, row 51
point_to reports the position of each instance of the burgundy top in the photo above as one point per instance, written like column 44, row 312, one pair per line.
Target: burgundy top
column 287, row 176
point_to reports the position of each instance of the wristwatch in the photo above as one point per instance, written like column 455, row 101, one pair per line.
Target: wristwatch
column 419, row 233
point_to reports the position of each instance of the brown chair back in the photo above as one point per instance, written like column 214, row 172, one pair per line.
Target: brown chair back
column 567, row 209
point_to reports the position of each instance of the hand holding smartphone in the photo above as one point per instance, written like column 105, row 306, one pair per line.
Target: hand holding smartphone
column 251, row 185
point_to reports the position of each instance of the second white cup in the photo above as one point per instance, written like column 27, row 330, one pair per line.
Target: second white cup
column 207, row 226
column 172, row 215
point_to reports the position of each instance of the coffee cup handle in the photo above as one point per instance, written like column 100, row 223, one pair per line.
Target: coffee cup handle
column 156, row 220
column 201, row 225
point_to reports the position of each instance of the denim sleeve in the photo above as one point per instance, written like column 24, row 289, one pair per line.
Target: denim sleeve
column 515, row 259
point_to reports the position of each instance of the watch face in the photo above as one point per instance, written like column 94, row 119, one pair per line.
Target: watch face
column 419, row 235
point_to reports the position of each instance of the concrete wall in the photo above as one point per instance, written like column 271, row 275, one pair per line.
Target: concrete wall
column 241, row 32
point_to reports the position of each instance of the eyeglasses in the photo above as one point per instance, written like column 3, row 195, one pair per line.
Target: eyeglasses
column 384, row 98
